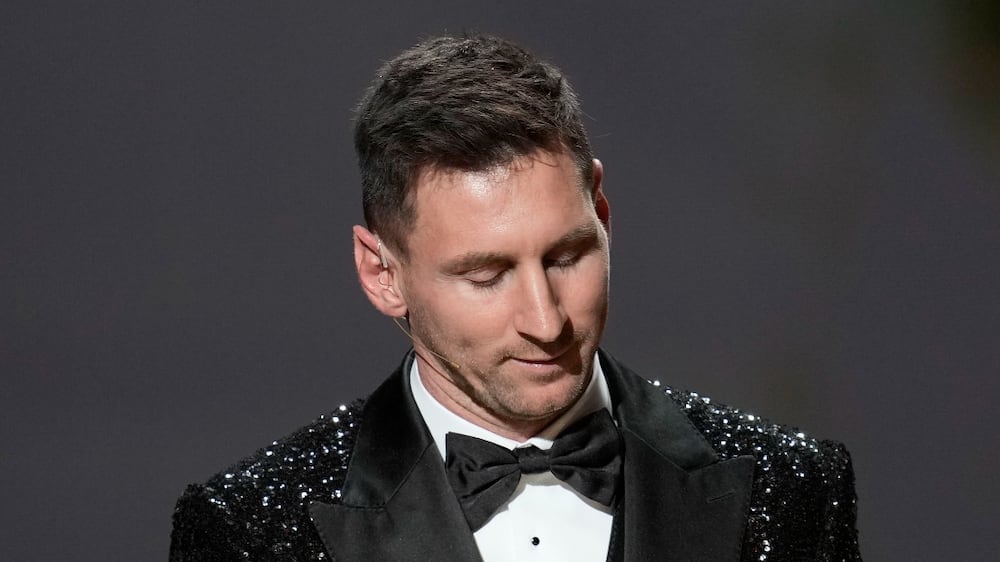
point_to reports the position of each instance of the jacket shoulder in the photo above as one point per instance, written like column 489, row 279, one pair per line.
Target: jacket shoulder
column 803, row 504
column 258, row 507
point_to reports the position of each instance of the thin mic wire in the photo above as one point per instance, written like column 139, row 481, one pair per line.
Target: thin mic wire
column 453, row 365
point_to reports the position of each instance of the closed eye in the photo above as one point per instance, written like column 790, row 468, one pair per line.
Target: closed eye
column 569, row 255
column 563, row 261
column 485, row 278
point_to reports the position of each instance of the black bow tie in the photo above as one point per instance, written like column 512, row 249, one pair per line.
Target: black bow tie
column 587, row 456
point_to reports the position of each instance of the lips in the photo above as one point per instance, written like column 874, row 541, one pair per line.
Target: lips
column 546, row 360
column 551, row 361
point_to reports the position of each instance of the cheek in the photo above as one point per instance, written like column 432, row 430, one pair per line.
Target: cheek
column 461, row 320
column 586, row 295
column 481, row 323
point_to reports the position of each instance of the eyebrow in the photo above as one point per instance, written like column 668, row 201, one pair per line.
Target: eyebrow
column 473, row 260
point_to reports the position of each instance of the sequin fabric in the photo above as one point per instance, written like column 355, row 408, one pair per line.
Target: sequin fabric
column 258, row 509
column 802, row 507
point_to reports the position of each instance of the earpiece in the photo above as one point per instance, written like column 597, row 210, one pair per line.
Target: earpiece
column 381, row 256
column 383, row 276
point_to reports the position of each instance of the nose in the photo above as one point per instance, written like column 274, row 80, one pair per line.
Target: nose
column 540, row 316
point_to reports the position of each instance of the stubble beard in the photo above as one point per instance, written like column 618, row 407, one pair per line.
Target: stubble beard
column 489, row 388
column 504, row 394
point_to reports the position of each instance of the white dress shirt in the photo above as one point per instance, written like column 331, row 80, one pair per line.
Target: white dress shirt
column 545, row 519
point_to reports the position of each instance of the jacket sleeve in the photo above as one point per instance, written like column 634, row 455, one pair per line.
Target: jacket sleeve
column 202, row 532
column 839, row 540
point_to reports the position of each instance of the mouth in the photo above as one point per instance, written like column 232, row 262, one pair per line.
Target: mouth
column 537, row 362
column 544, row 360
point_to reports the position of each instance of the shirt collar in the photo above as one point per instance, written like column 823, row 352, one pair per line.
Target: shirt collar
column 440, row 420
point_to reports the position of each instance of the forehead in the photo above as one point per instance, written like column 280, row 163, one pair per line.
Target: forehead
column 520, row 203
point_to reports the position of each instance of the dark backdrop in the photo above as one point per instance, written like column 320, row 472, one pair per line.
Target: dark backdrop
column 805, row 206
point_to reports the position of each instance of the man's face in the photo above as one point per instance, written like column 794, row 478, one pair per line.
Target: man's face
column 507, row 278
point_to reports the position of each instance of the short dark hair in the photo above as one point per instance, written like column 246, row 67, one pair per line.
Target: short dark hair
column 461, row 103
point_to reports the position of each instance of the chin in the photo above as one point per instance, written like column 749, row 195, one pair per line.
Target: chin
column 550, row 400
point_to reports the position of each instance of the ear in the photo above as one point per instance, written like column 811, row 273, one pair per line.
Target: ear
column 601, row 205
column 377, row 282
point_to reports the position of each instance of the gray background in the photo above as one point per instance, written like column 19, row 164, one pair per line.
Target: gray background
column 805, row 224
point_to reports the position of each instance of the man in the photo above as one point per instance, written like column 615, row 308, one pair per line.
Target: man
column 507, row 434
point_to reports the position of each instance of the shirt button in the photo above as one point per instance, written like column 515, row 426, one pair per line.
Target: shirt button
column 535, row 541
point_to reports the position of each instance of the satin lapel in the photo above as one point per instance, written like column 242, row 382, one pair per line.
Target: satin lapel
column 674, row 514
column 680, row 501
column 396, row 502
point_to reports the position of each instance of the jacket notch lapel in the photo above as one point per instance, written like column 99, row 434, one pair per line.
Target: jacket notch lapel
column 421, row 521
column 396, row 502
column 680, row 501
column 676, row 514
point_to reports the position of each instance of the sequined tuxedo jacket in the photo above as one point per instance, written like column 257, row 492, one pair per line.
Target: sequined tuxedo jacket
column 702, row 482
